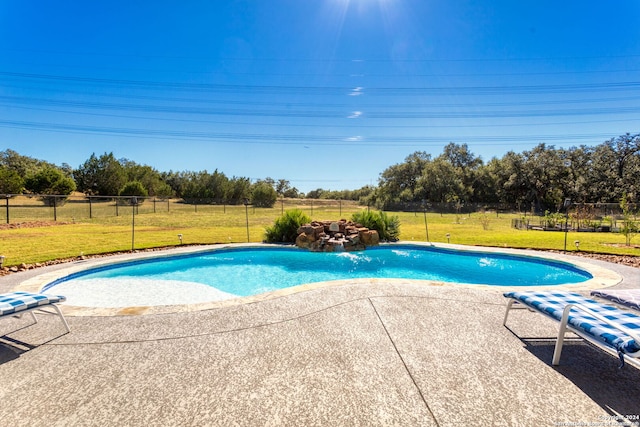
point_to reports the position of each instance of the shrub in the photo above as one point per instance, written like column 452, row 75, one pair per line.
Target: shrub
column 484, row 219
column 10, row 181
column 388, row 227
column 285, row 229
column 134, row 188
column 263, row 195
column 50, row 182
column 629, row 226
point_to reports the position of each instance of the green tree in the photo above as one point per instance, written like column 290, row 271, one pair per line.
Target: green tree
column 315, row 194
column 50, row 180
column 441, row 182
column 133, row 188
column 488, row 185
column 282, row 186
column 239, row 189
column 150, row 178
column 24, row 166
column 578, row 184
column 263, row 195
column 292, row 193
column 103, row 175
column 10, row 181
column 399, row 183
column 466, row 166
column 615, row 169
column 219, row 186
column 195, row 186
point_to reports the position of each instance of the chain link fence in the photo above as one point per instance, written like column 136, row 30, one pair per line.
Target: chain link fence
column 29, row 208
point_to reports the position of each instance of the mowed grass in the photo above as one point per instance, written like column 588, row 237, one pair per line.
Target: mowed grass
column 206, row 224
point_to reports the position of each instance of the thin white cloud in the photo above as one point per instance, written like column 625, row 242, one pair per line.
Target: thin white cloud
column 355, row 115
column 354, row 138
column 356, row 91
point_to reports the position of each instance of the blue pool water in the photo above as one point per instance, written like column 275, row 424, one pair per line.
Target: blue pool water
column 251, row 271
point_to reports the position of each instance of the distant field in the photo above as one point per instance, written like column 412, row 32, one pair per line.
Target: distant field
column 75, row 234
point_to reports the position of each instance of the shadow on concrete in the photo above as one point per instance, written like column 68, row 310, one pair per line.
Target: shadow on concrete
column 595, row 372
column 9, row 352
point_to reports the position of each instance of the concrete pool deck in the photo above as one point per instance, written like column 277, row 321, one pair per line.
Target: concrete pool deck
column 354, row 354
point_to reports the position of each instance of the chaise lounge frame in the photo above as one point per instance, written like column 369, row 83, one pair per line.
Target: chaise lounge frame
column 571, row 311
column 15, row 304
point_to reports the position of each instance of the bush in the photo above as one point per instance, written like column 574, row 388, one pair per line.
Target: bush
column 50, row 181
column 10, row 181
column 388, row 227
column 133, row 188
column 285, row 229
column 263, row 195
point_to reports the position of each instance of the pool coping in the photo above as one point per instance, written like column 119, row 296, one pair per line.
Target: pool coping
column 602, row 278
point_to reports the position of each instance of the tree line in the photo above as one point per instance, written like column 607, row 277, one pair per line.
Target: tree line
column 538, row 179
column 108, row 176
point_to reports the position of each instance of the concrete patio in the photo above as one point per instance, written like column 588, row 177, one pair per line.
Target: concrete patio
column 356, row 354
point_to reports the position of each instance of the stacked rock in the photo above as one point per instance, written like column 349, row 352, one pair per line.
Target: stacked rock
column 335, row 236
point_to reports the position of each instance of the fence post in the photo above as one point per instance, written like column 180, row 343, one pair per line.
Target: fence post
column 134, row 203
column 154, row 205
column 246, row 213
column 426, row 224
column 7, row 206
column 55, row 210
column 90, row 208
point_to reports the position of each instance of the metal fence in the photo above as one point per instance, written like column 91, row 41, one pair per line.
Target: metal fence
column 24, row 208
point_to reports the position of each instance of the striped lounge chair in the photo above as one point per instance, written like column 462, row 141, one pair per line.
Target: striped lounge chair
column 610, row 328
column 15, row 304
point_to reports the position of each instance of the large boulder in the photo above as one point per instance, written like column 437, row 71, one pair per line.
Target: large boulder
column 305, row 240
column 370, row 238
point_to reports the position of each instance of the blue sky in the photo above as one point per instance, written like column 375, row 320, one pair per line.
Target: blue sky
column 323, row 93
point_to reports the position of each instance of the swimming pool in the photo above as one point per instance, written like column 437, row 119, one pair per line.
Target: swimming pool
column 235, row 272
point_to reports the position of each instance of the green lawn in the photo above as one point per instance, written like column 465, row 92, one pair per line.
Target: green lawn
column 208, row 224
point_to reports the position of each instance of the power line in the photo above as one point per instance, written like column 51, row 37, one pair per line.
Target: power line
column 297, row 139
column 272, row 103
column 367, row 74
column 324, row 90
column 322, row 60
column 334, row 114
column 361, row 125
